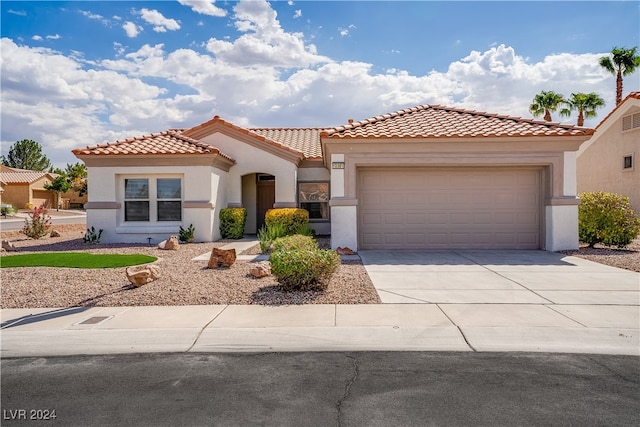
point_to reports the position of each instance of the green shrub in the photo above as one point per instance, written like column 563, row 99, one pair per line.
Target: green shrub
column 232, row 222
column 295, row 242
column 7, row 209
column 91, row 237
column 303, row 269
column 37, row 224
column 267, row 235
column 187, row 234
column 292, row 219
column 607, row 218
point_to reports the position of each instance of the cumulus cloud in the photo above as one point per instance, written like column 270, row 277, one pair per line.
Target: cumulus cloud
column 94, row 16
column 264, row 43
column 36, row 37
column 297, row 14
column 53, row 37
column 159, row 21
column 204, row 7
column 131, row 29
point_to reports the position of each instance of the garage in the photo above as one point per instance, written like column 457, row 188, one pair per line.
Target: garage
column 449, row 207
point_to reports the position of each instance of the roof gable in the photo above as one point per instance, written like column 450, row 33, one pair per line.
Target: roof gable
column 436, row 121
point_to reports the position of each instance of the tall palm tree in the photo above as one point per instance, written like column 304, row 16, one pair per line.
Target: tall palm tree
column 544, row 103
column 585, row 103
column 622, row 62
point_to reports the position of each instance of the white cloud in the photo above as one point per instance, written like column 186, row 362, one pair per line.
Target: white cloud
column 131, row 29
column 53, row 37
column 17, row 12
column 36, row 37
column 95, row 16
column 297, row 14
column 158, row 20
column 204, row 7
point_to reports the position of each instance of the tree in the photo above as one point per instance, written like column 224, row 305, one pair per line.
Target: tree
column 585, row 103
column 621, row 62
column 60, row 184
column 544, row 103
column 77, row 175
column 26, row 154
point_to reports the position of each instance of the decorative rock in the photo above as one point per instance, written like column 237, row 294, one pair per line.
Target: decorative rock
column 54, row 233
column 260, row 270
column 8, row 246
column 171, row 244
column 222, row 257
column 345, row 251
column 139, row 276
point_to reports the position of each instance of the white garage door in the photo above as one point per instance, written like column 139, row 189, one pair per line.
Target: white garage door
column 411, row 208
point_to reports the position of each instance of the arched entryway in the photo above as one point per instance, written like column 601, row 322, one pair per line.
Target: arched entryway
column 258, row 196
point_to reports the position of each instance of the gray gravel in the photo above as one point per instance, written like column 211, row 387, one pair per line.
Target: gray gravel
column 182, row 281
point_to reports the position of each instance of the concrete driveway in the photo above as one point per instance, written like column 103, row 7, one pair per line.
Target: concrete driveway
column 497, row 277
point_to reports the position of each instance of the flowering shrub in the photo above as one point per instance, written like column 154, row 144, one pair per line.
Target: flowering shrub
column 37, row 224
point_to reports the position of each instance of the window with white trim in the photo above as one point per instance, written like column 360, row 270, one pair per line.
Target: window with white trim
column 627, row 162
column 314, row 197
column 152, row 199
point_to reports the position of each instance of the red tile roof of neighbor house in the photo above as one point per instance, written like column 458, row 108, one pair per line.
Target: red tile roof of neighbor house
column 168, row 142
column 22, row 176
column 435, row 121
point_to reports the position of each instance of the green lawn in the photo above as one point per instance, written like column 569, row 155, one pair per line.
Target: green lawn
column 74, row 260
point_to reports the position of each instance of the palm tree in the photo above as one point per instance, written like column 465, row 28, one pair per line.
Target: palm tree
column 585, row 103
column 622, row 62
column 544, row 103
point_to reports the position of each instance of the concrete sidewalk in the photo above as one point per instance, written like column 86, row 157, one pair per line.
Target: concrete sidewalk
column 399, row 327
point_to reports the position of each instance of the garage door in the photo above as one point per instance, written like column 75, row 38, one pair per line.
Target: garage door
column 432, row 208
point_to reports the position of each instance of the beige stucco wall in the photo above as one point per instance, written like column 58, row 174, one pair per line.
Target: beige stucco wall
column 201, row 201
column 600, row 160
column 17, row 195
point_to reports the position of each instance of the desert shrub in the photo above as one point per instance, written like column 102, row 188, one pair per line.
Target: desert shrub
column 292, row 219
column 607, row 218
column 295, row 242
column 91, row 236
column 187, row 234
column 37, row 224
column 303, row 269
column 267, row 235
column 232, row 221
column 7, row 209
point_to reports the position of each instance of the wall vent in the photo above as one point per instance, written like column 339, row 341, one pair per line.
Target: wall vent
column 631, row 122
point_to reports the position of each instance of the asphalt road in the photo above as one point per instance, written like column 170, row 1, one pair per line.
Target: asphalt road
column 323, row 389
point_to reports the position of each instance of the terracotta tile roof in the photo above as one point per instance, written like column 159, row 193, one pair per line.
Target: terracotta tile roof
column 634, row 95
column 435, row 121
column 168, row 142
column 304, row 140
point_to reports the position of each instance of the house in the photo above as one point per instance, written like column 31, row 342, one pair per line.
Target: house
column 423, row 177
column 607, row 161
column 25, row 188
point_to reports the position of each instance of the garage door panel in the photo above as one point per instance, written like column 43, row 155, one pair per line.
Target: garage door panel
column 449, row 208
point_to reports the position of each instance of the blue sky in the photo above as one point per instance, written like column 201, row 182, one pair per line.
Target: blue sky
column 77, row 73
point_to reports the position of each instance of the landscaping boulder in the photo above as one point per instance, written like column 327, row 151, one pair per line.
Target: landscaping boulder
column 345, row 251
column 8, row 246
column 222, row 257
column 262, row 269
column 142, row 275
column 171, row 244
column 54, row 233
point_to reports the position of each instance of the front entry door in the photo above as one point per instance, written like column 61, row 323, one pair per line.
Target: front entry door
column 266, row 197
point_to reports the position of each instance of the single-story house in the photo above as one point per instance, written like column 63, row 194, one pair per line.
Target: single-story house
column 607, row 161
column 25, row 188
column 423, row 177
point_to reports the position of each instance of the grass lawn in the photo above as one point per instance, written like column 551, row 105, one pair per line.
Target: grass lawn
column 74, row 260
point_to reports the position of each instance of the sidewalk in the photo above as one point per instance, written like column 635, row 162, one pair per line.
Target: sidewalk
column 399, row 327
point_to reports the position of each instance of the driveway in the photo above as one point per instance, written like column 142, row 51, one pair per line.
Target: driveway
column 497, row 277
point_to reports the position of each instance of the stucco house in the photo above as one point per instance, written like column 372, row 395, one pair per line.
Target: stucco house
column 423, row 177
column 607, row 161
column 25, row 188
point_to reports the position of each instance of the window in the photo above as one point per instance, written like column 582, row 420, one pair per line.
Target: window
column 136, row 200
column 147, row 199
column 314, row 197
column 628, row 162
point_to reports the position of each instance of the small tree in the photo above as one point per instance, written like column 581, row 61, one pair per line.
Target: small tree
column 621, row 62
column 544, row 103
column 26, row 154
column 60, row 185
column 607, row 218
column 584, row 103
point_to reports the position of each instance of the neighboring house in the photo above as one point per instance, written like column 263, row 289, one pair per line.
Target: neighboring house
column 608, row 161
column 25, row 188
column 423, row 177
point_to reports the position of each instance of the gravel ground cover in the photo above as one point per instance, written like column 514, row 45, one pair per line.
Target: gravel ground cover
column 627, row 258
column 182, row 281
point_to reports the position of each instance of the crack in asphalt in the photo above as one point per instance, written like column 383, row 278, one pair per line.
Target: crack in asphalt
column 347, row 389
